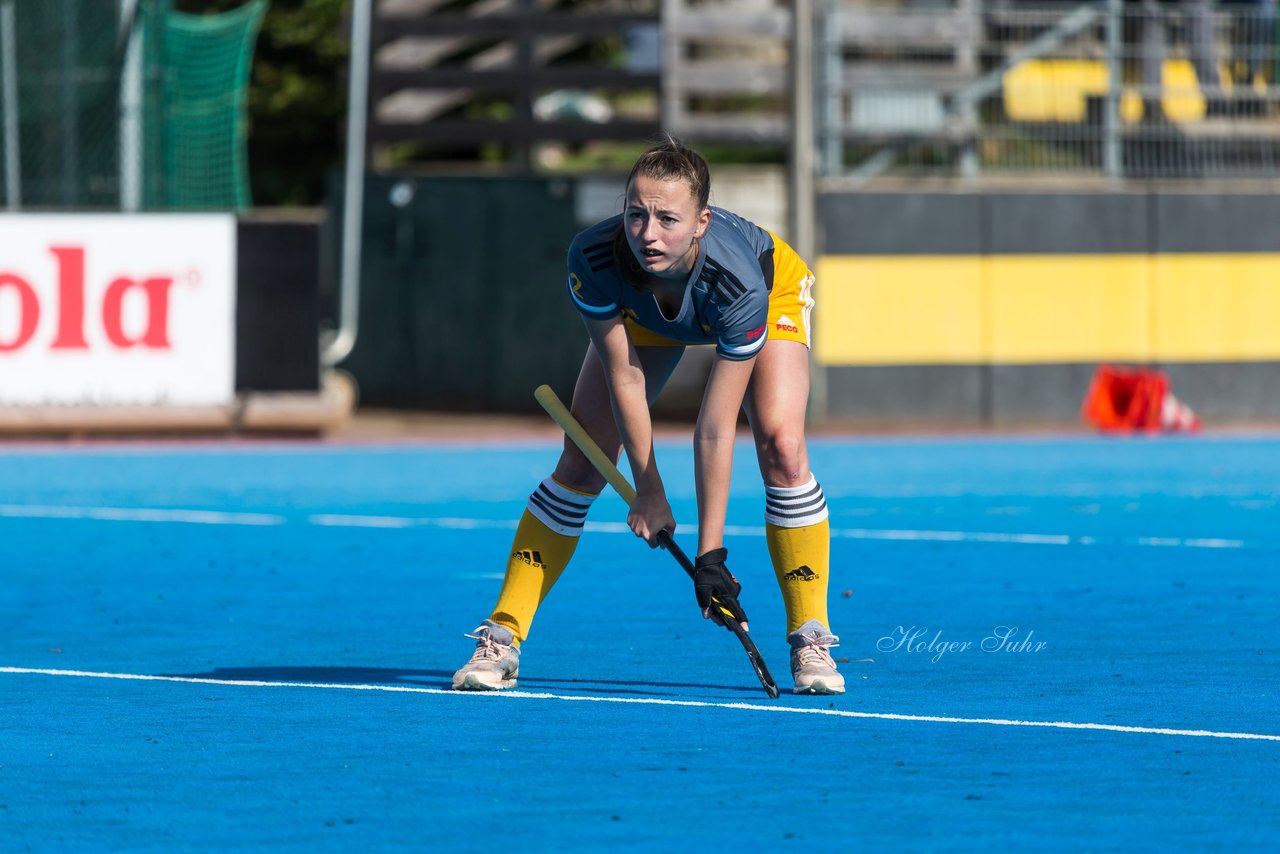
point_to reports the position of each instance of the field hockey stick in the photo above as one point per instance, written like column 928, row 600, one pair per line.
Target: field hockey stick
column 578, row 435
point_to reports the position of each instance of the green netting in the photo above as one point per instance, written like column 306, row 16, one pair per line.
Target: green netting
column 207, row 60
column 62, row 87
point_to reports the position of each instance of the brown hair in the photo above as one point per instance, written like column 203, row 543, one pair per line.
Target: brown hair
column 672, row 160
column 669, row 160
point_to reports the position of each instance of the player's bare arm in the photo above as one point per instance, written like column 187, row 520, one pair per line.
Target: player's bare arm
column 650, row 512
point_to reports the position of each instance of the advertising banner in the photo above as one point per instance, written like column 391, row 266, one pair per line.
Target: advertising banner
column 107, row 309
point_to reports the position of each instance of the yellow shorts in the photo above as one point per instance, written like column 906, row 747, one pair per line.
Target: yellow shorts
column 790, row 302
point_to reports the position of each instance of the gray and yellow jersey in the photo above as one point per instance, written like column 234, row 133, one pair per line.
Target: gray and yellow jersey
column 726, row 298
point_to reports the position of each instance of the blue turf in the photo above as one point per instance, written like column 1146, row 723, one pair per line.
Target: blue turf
column 1156, row 604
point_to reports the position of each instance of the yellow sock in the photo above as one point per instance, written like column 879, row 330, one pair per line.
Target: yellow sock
column 800, row 560
column 799, row 538
column 544, row 542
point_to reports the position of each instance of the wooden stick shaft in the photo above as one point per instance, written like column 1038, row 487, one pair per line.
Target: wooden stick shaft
column 578, row 435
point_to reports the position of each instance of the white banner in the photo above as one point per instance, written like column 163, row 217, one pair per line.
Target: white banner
column 117, row 309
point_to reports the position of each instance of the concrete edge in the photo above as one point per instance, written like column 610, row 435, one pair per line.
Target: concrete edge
column 251, row 412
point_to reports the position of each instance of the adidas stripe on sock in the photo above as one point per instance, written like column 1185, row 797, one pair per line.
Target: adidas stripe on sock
column 560, row 508
column 795, row 506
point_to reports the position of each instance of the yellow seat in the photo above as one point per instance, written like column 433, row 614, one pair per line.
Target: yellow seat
column 1052, row 90
column 1057, row 90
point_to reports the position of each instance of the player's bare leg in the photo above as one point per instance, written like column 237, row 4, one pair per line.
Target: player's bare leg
column 551, row 525
column 796, row 525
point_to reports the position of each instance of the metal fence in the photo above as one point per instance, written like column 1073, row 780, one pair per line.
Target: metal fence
column 1178, row 89
column 115, row 104
column 60, row 95
column 1128, row 90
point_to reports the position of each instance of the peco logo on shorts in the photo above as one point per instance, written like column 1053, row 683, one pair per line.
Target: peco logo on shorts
column 757, row 332
column 786, row 324
column 70, row 309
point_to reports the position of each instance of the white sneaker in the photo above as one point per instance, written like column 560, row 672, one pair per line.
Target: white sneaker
column 495, row 663
column 812, row 668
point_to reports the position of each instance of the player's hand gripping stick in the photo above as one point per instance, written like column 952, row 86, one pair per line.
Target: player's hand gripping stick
column 716, row 588
column 718, row 584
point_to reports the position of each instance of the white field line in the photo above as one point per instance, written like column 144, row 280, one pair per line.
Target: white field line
column 140, row 514
column 334, row 520
column 337, row 520
column 646, row 701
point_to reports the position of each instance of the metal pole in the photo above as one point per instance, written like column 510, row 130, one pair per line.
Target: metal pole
column 833, row 114
column 522, row 149
column 131, row 110
column 1112, row 164
column 803, row 161
column 336, row 346
column 9, row 97
column 967, row 59
column 802, row 129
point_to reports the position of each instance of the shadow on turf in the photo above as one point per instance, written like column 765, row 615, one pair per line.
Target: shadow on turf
column 438, row 679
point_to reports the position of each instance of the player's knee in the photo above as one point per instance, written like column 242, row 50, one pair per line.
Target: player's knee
column 576, row 472
column 783, row 458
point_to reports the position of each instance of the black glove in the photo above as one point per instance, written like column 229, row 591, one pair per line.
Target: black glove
column 712, row 580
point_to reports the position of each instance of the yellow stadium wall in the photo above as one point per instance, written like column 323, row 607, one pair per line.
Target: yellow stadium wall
column 996, row 308
column 1036, row 309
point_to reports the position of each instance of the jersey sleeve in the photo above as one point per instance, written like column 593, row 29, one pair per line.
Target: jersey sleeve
column 585, row 288
column 744, row 327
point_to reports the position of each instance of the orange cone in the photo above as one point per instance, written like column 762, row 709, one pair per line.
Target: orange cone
column 1129, row 400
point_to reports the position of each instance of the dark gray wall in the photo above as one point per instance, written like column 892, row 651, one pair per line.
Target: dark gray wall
column 462, row 299
column 277, row 303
